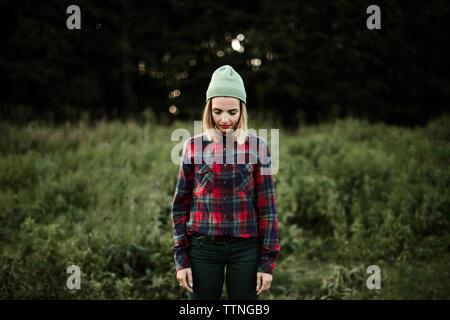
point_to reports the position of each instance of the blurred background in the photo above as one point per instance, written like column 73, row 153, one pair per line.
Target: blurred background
column 87, row 114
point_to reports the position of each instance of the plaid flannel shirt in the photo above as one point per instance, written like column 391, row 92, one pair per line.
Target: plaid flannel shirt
column 234, row 196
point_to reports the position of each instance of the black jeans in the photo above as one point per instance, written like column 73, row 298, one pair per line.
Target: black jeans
column 235, row 261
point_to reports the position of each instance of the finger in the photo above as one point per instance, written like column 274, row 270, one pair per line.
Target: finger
column 261, row 290
column 180, row 281
column 258, row 281
column 189, row 280
column 267, row 283
column 260, row 287
column 183, row 282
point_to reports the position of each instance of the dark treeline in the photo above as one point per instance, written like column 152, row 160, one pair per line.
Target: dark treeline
column 306, row 61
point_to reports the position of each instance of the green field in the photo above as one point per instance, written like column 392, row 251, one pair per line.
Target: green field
column 350, row 195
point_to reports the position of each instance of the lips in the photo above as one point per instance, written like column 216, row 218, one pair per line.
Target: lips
column 225, row 127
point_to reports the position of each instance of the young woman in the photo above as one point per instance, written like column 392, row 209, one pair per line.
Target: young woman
column 225, row 220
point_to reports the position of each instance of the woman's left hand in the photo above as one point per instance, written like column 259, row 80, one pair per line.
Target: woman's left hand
column 263, row 282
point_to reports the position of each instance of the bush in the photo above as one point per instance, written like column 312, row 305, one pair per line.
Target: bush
column 350, row 194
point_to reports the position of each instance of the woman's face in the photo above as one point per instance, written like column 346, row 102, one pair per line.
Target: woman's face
column 225, row 113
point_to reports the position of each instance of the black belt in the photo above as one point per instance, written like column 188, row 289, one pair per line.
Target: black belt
column 216, row 239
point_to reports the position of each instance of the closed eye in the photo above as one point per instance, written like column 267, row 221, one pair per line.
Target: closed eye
column 219, row 112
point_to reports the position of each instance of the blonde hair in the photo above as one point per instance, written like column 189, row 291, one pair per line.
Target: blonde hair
column 240, row 132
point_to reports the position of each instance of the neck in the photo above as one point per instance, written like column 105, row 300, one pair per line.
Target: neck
column 224, row 135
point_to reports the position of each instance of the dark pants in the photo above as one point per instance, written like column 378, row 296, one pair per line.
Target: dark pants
column 234, row 261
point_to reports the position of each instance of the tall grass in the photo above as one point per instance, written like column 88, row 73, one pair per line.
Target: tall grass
column 350, row 194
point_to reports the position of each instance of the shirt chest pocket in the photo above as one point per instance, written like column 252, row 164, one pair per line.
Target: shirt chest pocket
column 243, row 178
column 203, row 180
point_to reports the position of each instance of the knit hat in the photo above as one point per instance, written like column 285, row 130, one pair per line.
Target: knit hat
column 226, row 82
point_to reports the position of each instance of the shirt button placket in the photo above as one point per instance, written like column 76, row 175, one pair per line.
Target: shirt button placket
column 224, row 157
column 225, row 182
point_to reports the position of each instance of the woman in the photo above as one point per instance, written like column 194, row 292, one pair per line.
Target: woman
column 224, row 215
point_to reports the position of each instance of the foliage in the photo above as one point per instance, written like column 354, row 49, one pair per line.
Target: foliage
column 350, row 194
column 314, row 61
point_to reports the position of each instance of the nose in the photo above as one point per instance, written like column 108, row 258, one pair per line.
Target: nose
column 224, row 120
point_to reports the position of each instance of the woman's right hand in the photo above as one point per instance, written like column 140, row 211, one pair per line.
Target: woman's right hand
column 184, row 277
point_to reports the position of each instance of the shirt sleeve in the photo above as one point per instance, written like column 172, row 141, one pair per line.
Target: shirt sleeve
column 267, row 211
column 181, row 208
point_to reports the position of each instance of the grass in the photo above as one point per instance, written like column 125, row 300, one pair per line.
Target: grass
column 350, row 195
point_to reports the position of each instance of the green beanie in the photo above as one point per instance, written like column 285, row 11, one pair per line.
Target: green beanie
column 226, row 82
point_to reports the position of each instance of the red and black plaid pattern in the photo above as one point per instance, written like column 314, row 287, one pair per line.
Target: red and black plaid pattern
column 222, row 191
